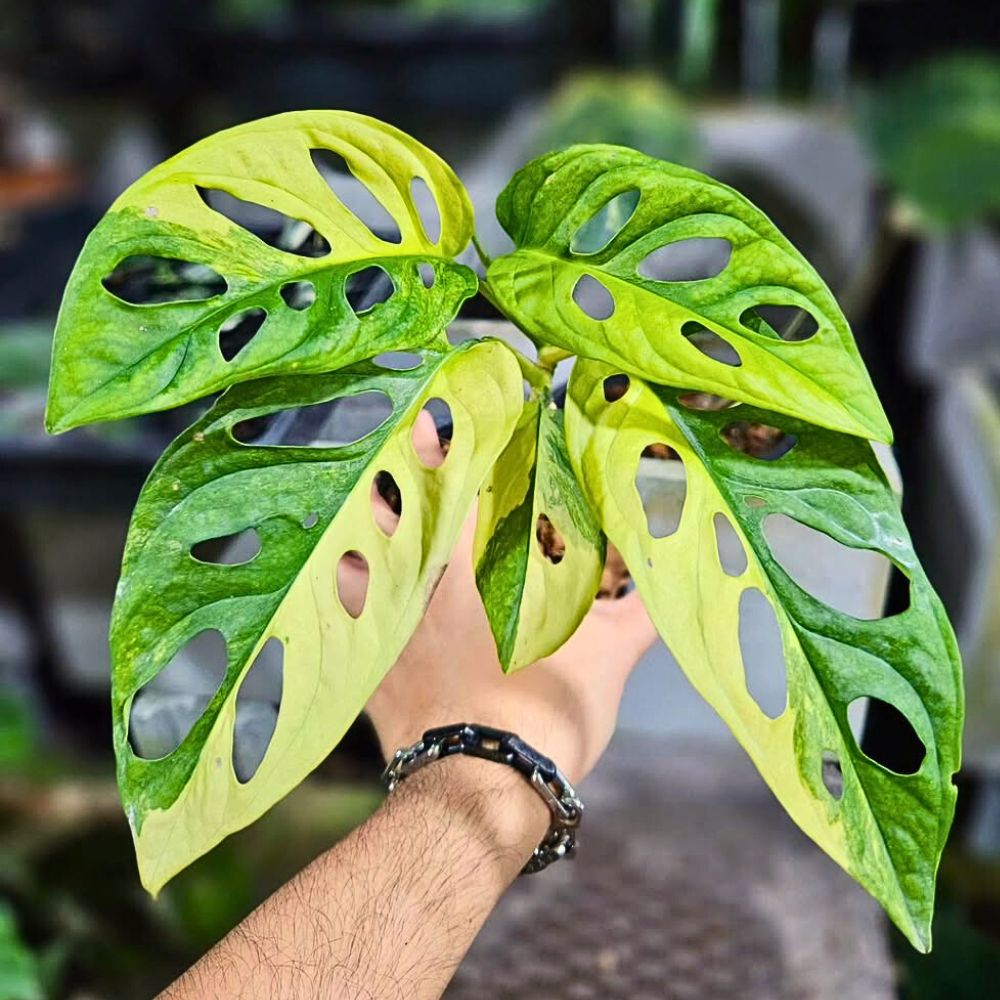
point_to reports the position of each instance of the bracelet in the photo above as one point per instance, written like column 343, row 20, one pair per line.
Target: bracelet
column 503, row 748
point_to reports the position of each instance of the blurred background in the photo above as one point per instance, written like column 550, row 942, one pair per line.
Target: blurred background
column 869, row 130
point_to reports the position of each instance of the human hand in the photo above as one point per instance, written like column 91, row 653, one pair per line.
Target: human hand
column 566, row 705
column 398, row 902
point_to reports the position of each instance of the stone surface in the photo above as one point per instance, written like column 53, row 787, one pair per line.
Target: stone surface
column 690, row 881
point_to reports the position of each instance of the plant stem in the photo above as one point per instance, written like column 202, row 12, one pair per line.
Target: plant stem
column 536, row 375
column 484, row 257
column 549, row 356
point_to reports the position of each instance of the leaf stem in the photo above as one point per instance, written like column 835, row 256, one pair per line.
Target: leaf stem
column 484, row 257
column 536, row 375
column 549, row 356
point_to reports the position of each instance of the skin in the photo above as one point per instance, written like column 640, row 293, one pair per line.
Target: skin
column 390, row 911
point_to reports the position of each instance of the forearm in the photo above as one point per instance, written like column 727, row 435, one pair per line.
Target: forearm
column 391, row 910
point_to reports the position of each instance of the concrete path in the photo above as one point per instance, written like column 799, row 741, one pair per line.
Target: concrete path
column 690, row 882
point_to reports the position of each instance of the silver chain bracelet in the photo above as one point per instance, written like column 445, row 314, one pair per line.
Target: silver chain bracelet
column 503, row 748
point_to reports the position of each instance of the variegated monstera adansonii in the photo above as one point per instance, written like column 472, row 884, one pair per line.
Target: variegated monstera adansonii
column 274, row 326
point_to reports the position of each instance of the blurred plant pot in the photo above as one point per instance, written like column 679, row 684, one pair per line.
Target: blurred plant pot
column 965, row 481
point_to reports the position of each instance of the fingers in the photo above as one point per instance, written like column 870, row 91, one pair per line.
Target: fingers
column 633, row 620
column 382, row 508
column 426, row 442
column 386, row 499
column 352, row 582
column 623, row 627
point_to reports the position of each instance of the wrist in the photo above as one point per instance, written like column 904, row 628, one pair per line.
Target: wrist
column 543, row 731
column 490, row 808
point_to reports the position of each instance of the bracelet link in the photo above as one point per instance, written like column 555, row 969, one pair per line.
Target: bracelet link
column 503, row 748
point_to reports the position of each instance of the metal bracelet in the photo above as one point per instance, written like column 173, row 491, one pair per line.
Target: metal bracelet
column 503, row 748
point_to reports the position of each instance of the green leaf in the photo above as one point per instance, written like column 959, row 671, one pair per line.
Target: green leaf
column 628, row 109
column 667, row 330
column 112, row 358
column 539, row 552
column 935, row 132
column 20, row 975
column 309, row 506
column 887, row 830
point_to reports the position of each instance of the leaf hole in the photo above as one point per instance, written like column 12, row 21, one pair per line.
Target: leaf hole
column 426, row 272
column 432, row 449
column 253, row 430
column 763, row 653
column 890, row 739
column 238, row 331
column 307, row 242
column 849, row 580
column 310, row 520
column 352, row 582
column 144, row 280
column 616, row 579
column 268, row 224
column 710, row 344
column 166, row 708
column 368, row 288
column 353, row 418
column 732, row 555
column 705, row 401
column 695, row 259
column 257, row 709
column 550, row 542
column 615, row 386
column 399, row 361
column 235, row 549
column 298, row 295
column 343, row 421
column 593, row 298
column 662, row 488
column 387, row 502
column 355, row 195
column 780, row 321
column 832, row 774
column 427, row 208
column 602, row 227
column 758, row 440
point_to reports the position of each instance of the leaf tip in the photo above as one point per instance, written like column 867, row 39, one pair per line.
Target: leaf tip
column 882, row 429
column 56, row 422
column 914, row 919
column 919, row 935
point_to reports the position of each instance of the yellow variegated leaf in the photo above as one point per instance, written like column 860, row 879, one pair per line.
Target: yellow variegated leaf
column 886, row 829
column 588, row 224
column 116, row 354
column 538, row 552
column 309, row 506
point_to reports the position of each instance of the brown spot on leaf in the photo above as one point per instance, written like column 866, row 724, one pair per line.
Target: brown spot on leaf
column 549, row 540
